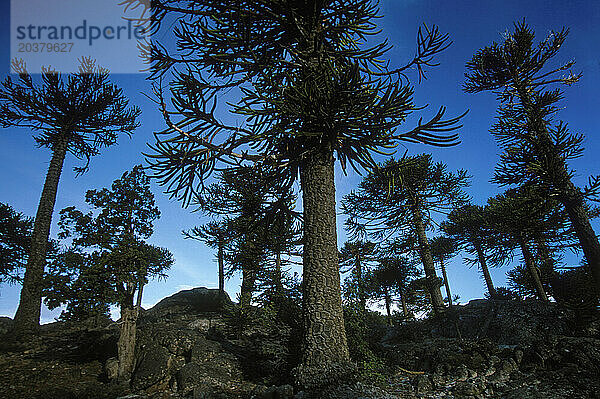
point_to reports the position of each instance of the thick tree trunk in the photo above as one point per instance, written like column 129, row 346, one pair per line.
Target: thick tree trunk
column 569, row 195
column 446, row 283
column 487, row 277
column 325, row 355
column 247, row 289
column 27, row 317
column 435, row 294
column 580, row 221
column 220, row 259
column 533, row 272
column 126, row 343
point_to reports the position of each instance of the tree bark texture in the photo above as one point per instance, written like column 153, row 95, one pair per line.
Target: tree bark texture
column 126, row 343
column 487, row 277
column 27, row 317
column 325, row 354
column 533, row 271
column 435, row 294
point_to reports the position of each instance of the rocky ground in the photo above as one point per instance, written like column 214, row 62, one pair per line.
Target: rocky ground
column 186, row 349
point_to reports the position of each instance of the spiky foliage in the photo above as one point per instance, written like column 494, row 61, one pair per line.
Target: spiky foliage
column 536, row 147
column 306, row 85
column 520, row 218
column 15, row 241
column 401, row 197
column 78, row 114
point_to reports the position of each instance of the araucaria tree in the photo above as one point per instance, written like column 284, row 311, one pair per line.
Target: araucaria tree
column 470, row 226
column 310, row 88
column 15, row 239
column 443, row 249
column 356, row 256
column 400, row 197
column 78, row 114
column 116, row 230
column 536, row 147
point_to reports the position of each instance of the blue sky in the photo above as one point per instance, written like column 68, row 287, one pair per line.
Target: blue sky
column 471, row 25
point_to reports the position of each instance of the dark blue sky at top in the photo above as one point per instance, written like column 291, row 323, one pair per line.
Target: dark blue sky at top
column 471, row 25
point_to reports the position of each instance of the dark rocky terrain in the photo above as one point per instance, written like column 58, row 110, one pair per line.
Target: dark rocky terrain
column 186, row 349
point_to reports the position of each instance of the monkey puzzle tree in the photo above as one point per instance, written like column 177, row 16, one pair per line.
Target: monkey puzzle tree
column 521, row 217
column 215, row 235
column 469, row 225
column 78, row 114
column 443, row 249
column 355, row 256
column 15, row 240
column 536, row 147
column 400, row 197
column 116, row 232
column 310, row 87
column 391, row 280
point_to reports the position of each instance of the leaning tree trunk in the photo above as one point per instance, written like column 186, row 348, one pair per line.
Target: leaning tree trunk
column 325, row 349
column 437, row 301
column 485, row 271
column 27, row 317
column 220, row 259
column 569, row 195
column 446, row 283
column 574, row 205
column 533, row 271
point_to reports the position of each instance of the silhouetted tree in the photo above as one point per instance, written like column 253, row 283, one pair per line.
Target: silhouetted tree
column 15, row 239
column 311, row 89
column 443, row 249
column 400, row 197
column 355, row 257
column 536, row 147
column 77, row 114
column 469, row 225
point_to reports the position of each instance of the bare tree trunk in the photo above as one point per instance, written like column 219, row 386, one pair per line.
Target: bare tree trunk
column 403, row 302
column 220, row 259
column 485, row 271
column 247, row 289
column 435, row 294
column 278, row 276
column 446, row 283
column 359, row 281
column 533, row 272
column 388, row 305
column 325, row 355
column 27, row 317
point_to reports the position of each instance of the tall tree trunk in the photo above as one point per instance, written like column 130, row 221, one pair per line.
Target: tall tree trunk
column 138, row 303
column 533, row 272
column 220, row 259
column 403, row 302
column 27, row 317
column 435, row 294
column 325, row 349
column 388, row 305
column 446, row 283
column 568, row 194
column 247, row 289
column 485, row 271
column 126, row 343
